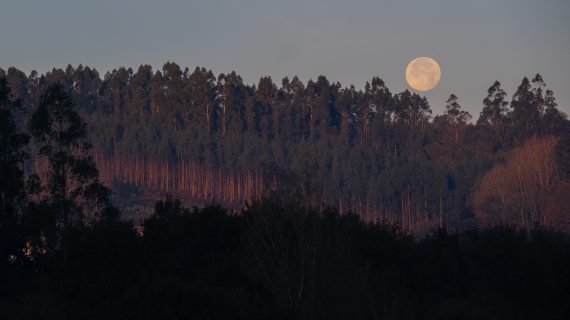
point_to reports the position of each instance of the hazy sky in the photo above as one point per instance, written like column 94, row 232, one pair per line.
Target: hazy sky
column 475, row 42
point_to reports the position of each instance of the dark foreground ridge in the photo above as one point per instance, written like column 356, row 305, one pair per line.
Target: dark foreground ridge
column 285, row 261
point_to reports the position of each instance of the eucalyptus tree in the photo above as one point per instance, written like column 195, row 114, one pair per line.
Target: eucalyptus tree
column 12, row 157
column 495, row 111
column 72, row 186
column 526, row 114
column 457, row 118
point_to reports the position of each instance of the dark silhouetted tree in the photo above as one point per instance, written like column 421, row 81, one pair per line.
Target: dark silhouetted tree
column 73, row 188
column 495, row 111
column 526, row 113
column 12, row 154
column 12, row 192
column 455, row 118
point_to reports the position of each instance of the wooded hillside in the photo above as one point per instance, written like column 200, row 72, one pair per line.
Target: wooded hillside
column 213, row 138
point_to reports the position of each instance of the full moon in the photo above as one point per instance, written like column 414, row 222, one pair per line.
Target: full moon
column 423, row 74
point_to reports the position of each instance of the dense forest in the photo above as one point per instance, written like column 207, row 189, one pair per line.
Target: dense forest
column 333, row 183
column 384, row 155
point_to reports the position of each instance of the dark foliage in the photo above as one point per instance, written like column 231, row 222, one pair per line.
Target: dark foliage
column 286, row 261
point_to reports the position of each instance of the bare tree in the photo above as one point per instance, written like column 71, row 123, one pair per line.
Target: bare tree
column 516, row 192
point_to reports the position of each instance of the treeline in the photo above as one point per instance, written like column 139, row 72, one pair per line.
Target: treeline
column 383, row 154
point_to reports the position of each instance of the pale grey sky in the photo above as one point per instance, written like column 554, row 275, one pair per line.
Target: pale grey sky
column 475, row 42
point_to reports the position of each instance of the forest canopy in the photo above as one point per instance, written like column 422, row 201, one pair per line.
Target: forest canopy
column 209, row 138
